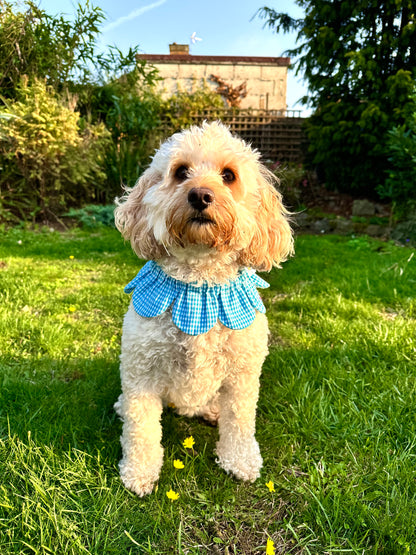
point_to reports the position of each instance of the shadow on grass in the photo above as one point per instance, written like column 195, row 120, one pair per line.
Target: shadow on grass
column 69, row 405
column 65, row 404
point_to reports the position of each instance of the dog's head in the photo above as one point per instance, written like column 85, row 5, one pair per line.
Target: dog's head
column 207, row 187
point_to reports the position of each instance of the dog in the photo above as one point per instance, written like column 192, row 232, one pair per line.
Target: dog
column 206, row 215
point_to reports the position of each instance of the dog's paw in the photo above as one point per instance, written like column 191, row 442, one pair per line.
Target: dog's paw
column 137, row 485
column 242, row 459
column 139, row 481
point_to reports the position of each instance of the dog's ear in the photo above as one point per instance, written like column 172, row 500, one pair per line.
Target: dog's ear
column 130, row 217
column 272, row 242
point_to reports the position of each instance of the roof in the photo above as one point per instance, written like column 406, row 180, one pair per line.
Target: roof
column 191, row 59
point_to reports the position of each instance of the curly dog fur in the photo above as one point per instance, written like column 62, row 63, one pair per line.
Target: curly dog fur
column 204, row 209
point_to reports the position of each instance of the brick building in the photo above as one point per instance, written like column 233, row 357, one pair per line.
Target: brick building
column 265, row 78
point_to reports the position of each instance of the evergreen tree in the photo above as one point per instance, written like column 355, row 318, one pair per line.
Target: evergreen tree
column 359, row 59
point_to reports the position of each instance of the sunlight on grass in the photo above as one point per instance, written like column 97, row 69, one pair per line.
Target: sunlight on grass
column 336, row 417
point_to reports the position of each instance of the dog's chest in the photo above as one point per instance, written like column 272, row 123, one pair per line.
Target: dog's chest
column 158, row 356
column 197, row 365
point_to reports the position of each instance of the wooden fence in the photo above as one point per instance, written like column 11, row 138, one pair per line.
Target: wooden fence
column 279, row 136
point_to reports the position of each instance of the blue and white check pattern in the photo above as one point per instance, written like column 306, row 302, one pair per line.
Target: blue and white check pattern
column 196, row 308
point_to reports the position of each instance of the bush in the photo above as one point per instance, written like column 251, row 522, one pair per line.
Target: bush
column 294, row 181
column 399, row 186
column 63, row 54
column 358, row 58
column 139, row 119
column 93, row 215
column 178, row 110
column 133, row 119
column 347, row 139
column 39, row 45
column 52, row 159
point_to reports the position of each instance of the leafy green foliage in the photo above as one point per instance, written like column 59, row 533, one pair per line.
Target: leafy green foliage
column 293, row 179
column 139, row 119
column 178, row 110
column 359, row 60
column 61, row 51
column 93, row 215
column 38, row 45
column 401, row 148
column 51, row 158
column 132, row 117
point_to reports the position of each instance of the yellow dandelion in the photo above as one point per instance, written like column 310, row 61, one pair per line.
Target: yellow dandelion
column 270, row 485
column 72, row 308
column 171, row 405
column 178, row 464
column 71, row 257
column 270, row 547
column 172, row 495
column 189, row 442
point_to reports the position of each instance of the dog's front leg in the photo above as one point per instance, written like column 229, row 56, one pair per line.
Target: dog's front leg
column 140, row 441
column 237, row 449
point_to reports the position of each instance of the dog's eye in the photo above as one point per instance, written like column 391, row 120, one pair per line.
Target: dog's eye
column 228, row 176
column 181, row 173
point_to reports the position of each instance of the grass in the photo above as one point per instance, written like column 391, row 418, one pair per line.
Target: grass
column 336, row 417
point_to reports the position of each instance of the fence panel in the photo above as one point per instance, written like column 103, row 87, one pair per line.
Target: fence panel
column 279, row 136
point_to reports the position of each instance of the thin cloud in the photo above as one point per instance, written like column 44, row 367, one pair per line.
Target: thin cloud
column 132, row 15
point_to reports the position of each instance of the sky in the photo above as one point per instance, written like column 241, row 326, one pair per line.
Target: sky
column 226, row 27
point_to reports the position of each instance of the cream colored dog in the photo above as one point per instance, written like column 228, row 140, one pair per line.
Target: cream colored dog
column 204, row 211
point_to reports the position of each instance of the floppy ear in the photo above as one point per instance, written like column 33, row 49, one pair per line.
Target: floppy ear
column 130, row 217
column 272, row 242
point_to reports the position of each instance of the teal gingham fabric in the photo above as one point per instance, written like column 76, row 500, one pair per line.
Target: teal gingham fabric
column 196, row 308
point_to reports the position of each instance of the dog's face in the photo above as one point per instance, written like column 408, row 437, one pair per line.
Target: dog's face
column 206, row 187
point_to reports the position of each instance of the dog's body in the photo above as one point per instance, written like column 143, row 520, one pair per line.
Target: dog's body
column 204, row 211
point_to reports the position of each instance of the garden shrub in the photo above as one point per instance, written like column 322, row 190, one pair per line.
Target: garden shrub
column 52, row 159
column 178, row 110
column 139, row 118
column 37, row 180
column 347, row 138
column 358, row 59
column 133, row 119
column 294, row 179
column 51, row 47
column 400, row 184
column 93, row 215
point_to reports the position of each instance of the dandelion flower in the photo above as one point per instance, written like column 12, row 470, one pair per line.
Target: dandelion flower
column 172, row 495
column 71, row 257
column 72, row 308
column 178, row 464
column 189, row 442
column 270, row 485
column 270, row 547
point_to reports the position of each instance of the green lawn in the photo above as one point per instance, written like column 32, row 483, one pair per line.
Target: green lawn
column 336, row 418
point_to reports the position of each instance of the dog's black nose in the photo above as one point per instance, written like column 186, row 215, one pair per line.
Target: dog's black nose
column 200, row 198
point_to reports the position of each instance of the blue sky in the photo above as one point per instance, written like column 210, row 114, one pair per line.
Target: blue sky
column 227, row 27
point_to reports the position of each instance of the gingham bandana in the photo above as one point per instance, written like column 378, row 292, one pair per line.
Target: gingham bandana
column 196, row 308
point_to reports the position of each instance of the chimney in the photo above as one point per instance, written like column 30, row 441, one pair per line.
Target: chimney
column 179, row 49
